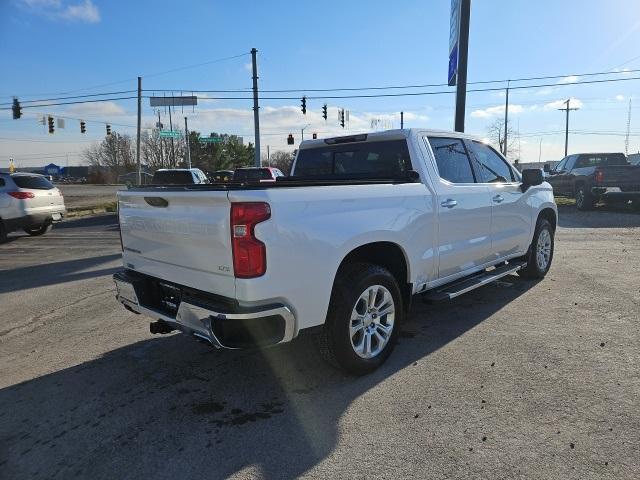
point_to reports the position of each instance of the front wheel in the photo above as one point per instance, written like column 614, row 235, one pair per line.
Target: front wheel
column 37, row 230
column 365, row 313
column 540, row 252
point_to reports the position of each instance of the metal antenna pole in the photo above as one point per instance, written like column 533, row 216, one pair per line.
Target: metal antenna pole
column 463, row 54
column 139, row 128
column 256, row 115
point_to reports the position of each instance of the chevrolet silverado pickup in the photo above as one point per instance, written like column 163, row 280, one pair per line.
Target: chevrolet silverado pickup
column 594, row 177
column 362, row 224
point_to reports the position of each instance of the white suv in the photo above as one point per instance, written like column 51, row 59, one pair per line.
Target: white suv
column 30, row 202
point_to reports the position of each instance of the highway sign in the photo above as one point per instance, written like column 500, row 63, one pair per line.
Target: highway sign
column 211, row 139
column 170, row 133
column 173, row 101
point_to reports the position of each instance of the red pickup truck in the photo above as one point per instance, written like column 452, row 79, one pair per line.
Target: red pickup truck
column 593, row 177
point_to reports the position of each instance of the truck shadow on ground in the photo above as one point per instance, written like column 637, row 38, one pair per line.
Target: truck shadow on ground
column 35, row 276
column 168, row 407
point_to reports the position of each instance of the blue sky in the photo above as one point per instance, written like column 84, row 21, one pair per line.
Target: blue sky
column 90, row 46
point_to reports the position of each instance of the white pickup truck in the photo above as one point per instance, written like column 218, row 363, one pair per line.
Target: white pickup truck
column 363, row 223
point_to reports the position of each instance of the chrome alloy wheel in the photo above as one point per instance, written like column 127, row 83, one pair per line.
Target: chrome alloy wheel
column 372, row 321
column 543, row 249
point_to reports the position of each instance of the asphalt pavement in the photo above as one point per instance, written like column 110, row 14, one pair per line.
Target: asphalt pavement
column 517, row 379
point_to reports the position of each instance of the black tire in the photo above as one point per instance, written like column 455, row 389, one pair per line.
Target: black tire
column 334, row 340
column 584, row 199
column 37, row 230
column 3, row 232
column 533, row 269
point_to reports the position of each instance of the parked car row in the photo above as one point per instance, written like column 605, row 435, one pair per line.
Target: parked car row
column 195, row 176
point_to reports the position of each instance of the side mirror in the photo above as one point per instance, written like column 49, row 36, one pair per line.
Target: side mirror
column 531, row 177
column 547, row 168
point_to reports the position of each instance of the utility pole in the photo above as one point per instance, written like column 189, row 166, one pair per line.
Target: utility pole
column 186, row 139
column 626, row 139
column 139, row 128
column 566, row 131
column 401, row 120
column 173, row 151
column 540, row 151
column 463, row 54
column 256, row 115
column 506, row 120
column 160, row 140
column 268, row 156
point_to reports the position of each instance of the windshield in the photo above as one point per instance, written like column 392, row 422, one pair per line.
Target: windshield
column 32, row 181
column 175, row 177
column 252, row 174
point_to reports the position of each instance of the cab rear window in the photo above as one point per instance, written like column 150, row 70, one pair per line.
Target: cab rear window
column 32, row 181
column 172, row 178
column 386, row 159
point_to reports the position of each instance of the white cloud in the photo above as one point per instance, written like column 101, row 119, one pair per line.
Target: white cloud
column 545, row 91
column 620, row 98
column 96, row 109
column 496, row 111
column 575, row 103
column 248, row 67
column 569, row 79
column 84, row 11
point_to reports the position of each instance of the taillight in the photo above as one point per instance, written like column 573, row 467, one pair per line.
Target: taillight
column 599, row 176
column 21, row 195
column 249, row 253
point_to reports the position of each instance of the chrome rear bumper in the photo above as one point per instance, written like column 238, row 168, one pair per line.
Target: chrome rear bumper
column 209, row 323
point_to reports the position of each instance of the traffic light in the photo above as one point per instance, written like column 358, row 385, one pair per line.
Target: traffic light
column 342, row 118
column 324, row 111
column 17, row 109
column 50, row 122
column 315, row 136
column 108, row 129
column 290, row 140
column 83, row 127
column 303, row 105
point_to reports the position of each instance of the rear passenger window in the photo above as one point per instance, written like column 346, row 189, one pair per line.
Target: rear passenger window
column 1, row 182
column 382, row 159
column 492, row 167
column 452, row 160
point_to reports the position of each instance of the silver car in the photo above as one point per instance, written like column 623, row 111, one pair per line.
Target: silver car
column 29, row 202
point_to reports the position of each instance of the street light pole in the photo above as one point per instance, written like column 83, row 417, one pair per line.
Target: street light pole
column 138, row 129
column 256, row 115
column 463, row 54
column 186, row 139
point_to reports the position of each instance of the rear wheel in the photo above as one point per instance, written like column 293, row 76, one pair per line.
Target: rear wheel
column 540, row 252
column 36, row 230
column 584, row 199
column 364, row 317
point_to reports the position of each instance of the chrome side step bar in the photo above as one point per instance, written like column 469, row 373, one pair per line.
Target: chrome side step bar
column 459, row 287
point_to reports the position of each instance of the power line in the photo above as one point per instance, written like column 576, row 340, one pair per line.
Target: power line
column 72, row 103
column 395, row 87
column 74, row 96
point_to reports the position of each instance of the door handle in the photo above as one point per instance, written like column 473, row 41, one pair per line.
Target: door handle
column 449, row 203
column 498, row 199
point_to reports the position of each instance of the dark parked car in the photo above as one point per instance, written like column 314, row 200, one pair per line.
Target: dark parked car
column 593, row 177
column 222, row 176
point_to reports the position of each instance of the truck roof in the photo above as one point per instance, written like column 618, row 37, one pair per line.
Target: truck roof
column 396, row 134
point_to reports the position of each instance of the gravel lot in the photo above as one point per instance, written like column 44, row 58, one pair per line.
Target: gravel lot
column 76, row 196
column 514, row 380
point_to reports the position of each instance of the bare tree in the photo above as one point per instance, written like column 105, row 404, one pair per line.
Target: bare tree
column 495, row 132
column 282, row 160
column 115, row 155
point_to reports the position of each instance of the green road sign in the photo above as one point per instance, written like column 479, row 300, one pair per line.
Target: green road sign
column 170, row 133
column 211, row 139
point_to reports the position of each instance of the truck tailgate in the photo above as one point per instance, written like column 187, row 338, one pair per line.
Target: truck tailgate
column 179, row 236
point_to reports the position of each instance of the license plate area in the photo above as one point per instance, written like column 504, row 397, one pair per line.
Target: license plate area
column 170, row 297
column 56, row 217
